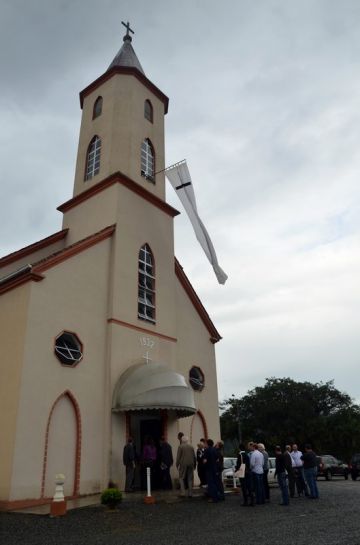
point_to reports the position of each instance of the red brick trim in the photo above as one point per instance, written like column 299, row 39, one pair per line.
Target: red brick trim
column 27, row 250
column 13, row 505
column 72, row 250
column 185, row 282
column 118, row 178
column 203, row 421
column 128, row 70
column 22, row 504
column 19, row 280
column 142, row 329
column 76, row 407
column 54, row 259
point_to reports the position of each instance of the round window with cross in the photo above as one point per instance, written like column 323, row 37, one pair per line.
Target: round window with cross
column 68, row 348
column 197, row 379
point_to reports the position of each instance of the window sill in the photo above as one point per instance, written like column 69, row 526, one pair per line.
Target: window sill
column 148, row 178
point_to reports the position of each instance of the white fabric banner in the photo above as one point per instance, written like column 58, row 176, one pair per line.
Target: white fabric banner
column 179, row 177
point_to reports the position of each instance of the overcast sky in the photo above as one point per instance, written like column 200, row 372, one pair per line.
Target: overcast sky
column 265, row 107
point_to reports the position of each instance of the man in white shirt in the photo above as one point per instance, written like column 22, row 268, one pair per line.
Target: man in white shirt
column 296, row 455
column 257, row 470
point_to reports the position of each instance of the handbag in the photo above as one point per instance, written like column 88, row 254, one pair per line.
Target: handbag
column 240, row 473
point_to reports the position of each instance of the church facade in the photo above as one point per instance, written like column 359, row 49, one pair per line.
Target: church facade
column 102, row 335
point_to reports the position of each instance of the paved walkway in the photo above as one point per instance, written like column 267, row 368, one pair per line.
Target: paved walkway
column 332, row 520
column 162, row 496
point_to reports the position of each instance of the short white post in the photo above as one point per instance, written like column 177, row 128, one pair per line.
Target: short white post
column 148, row 481
column 58, row 505
column 148, row 498
column 59, row 488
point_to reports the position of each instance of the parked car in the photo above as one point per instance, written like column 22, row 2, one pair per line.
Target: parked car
column 329, row 467
column 354, row 466
column 229, row 468
column 271, row 475
column 228, row 472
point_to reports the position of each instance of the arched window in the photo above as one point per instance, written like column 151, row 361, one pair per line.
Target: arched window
column 146, row 289
column 97, row 107
column 93, row 158
column 147, row 160
column 148, row 110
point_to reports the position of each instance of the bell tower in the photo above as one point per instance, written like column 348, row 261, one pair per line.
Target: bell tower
column 122, row 126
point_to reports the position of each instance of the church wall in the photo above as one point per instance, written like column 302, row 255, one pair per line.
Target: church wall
column 100, row 126
column 194, row 348
column 13, row 316
column 131, row 128
column 128, row 347
column 92, row 215
column 122, row 127
column 152, row 226
column 72, row 297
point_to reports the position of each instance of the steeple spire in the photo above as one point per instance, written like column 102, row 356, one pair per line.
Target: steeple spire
column 127, row 56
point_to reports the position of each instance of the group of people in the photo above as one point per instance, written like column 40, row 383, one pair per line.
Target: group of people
column 208, row 460
column 158, row 459
column 294, row 470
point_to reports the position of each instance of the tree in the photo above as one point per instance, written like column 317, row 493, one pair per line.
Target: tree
column 285, row 411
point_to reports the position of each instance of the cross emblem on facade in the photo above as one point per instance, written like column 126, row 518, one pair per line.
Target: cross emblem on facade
column 147, row 357
column 128, row 29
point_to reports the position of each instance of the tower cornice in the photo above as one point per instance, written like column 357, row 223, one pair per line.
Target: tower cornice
column 118, row 178
column 130, row 71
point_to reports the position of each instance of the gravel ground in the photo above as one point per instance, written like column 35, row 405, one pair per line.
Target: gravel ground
column 333, row 520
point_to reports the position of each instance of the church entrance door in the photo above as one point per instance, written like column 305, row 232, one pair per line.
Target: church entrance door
column 144, row 428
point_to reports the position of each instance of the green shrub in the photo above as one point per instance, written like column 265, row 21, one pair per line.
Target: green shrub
column 111, row 497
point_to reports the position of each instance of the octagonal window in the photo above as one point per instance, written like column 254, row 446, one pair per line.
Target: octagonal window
column 197, row 379
column 68, row 349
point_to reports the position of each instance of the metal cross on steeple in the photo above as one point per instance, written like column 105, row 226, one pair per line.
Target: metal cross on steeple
column 128, row 30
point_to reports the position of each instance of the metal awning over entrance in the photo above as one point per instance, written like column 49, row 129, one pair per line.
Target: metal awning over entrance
column 149, row 386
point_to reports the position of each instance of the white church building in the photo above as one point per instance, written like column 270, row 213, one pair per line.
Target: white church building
column 102, row 335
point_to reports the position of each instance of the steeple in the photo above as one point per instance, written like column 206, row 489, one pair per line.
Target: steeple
column 127, row 56
column 122, row 126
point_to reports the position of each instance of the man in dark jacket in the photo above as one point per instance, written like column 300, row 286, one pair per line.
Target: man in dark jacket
column 246, row 483
column 310, row 471
column 129, row 463
column 166, row 461
column 280, row 472
column 211, row 457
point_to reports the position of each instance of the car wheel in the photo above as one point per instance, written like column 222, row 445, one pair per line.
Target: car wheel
column 328, row 476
